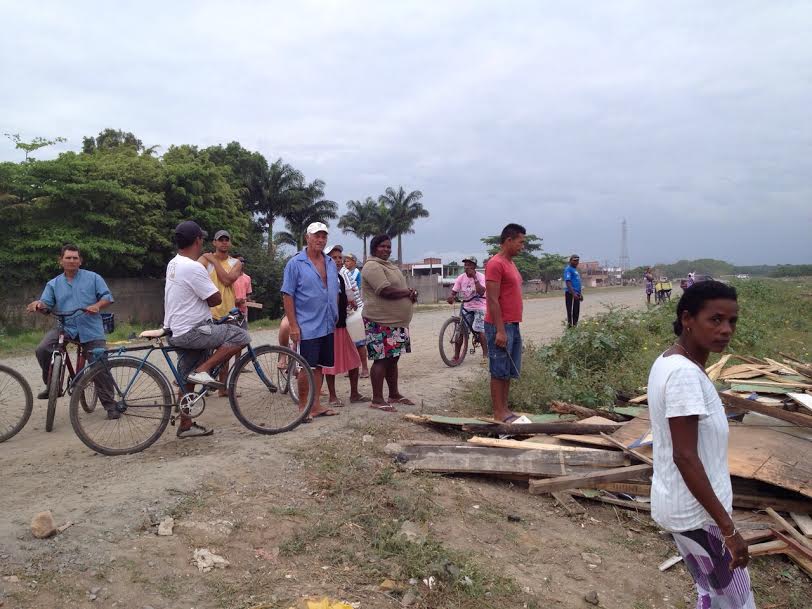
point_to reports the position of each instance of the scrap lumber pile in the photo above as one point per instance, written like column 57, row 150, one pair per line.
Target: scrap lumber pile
column 577, row 453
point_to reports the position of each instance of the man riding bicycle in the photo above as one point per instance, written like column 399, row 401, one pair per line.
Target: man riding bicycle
column 74, row 290
column 188, row 296
column 470, row 286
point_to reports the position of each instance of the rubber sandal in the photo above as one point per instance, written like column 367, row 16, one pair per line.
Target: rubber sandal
column 383, row 407
column 510, row 418
column 326, row 413
column 359, row 399
column 404, row 401
column 336, row 404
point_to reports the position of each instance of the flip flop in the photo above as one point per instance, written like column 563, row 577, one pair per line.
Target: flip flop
column 337, row 404
column 510, row 418
column 326, row 413
column 359, row 399
column 364, row 375
column 383, row 407
column 402, row 400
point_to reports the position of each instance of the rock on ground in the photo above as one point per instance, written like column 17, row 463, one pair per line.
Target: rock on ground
column 43, row 525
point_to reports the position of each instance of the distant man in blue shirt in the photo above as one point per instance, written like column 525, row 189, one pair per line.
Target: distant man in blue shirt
column 310, row 295
column 75, row 288
column 572, row 295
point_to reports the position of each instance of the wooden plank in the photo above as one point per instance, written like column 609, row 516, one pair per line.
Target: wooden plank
column 804, row 399
column 716, row 369
column 796, row 418
column 804, row 522
column 637, row 489
column 631, row 505
column 777, row 384
column 566, row 501
column 794, row 544
column 789, row 528
column 582, row 412
column 534, row 428
column 587, row 480
column 767, row 548
column 758, row 389
column 640, row 399
column 631, row 411
column 608, row 458
column 467, row 459
column 588, row 440
column 745, row 370
column 627, row 450
column 253, row 305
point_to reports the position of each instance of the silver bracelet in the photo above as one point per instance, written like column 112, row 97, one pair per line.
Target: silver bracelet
column 733, row 534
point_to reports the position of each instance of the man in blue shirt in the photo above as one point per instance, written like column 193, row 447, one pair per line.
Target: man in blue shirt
column 310, row 295
column 572, row 291
column 75, row 288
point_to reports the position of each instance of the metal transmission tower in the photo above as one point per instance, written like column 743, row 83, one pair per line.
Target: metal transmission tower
column 624, row 247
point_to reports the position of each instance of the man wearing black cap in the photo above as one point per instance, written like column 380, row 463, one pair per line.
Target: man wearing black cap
column 188, row 296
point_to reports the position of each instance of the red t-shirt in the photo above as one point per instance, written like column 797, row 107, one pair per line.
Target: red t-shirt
column 504, row 272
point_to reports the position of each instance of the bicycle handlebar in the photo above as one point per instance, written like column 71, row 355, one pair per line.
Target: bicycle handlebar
column 63, row 313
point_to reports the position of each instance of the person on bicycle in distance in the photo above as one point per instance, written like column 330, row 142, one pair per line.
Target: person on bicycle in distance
column 188, row 294
column 75, row 288
column 470, row 286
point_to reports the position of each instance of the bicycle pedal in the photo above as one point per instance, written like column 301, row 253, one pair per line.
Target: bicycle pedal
column 172, row 421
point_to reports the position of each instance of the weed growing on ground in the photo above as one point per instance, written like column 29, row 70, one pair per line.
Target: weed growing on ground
column 609, row 355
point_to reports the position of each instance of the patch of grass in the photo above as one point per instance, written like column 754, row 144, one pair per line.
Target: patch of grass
column 610, row 353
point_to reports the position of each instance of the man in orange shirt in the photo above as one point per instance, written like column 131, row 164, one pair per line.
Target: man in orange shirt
column 503, row 287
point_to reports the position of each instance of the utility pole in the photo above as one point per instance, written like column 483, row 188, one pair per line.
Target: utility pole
column 624, row 249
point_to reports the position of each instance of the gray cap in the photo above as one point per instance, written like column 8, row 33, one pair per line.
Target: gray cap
column 221, row 233
column 330, row 248
column 470, row 259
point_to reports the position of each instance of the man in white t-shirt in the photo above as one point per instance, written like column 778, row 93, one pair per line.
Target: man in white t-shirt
column 470, row 286
column 188, row 296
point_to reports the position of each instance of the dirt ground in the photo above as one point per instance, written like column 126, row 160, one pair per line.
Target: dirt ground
column 319, row 511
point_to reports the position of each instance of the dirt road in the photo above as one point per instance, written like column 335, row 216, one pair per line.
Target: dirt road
column 111, row 499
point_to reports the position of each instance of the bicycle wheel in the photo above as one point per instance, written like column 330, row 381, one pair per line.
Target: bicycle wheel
column 89, row 399
column 54, row 386
column 451, row 334
column 259, row 404
column 292, row 376
column 140, row 394
column 16, row 402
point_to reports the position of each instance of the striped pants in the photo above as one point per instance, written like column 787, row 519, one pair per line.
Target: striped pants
column 708, row 560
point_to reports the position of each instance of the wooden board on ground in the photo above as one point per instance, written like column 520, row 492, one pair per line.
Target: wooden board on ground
column 566, row 501
column 445, row 421
column 804, row 522
column 525, row 429
column 758, row 389
column 588, row 480
column 631, row 411
column 640, row 399
column 796, row 418
column 587, row 440
column 743, row 371
column 790, row 384
column 468, row 459
column 803, row 399
column 608, row 457
column 597, row 496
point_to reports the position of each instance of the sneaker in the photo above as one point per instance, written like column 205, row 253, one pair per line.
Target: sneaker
column 203, row 378
column 43, row 395
column 113, row 414
column 194, row 431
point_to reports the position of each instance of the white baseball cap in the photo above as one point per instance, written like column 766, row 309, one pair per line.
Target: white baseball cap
column 328, row 250
column 317, row 227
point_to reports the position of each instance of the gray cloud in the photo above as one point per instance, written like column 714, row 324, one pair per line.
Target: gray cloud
column 689, row 119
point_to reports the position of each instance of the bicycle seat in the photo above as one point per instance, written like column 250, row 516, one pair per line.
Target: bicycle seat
column 153, row 333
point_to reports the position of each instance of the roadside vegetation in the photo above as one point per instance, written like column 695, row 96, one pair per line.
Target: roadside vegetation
column 609, row 355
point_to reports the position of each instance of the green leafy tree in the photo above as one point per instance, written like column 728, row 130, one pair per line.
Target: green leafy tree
column 404, row 209
column 249, row 173
column 112, row 138
column 526, row 261
column 33, row 145
column 265, row 270
column 284, row 190
column 550, row 268
column 311, row 207
column 362, row 219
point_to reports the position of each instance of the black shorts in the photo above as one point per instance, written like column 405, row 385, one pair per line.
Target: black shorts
column 318, row 351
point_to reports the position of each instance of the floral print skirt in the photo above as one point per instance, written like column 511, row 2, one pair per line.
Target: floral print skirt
column 386, row 341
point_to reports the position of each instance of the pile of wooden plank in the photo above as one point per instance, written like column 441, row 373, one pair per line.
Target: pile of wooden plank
column 577, row 453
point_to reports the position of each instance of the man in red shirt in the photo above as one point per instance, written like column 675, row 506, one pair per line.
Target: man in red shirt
column 503, row 286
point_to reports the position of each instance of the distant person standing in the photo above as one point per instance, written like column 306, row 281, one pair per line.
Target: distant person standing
column 223, row 270
column 242, row 290
column 310, row 295
column 648, row 277
column 351, row 273
column 470, row 286
column 503, row 285
column 573, row 294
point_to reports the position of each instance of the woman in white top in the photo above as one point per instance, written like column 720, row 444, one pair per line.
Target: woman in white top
column 691, row 494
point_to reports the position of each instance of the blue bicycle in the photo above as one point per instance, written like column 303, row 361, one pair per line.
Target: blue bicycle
column 145, row 402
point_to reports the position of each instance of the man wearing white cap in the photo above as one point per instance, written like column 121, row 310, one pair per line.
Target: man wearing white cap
column 310, row 296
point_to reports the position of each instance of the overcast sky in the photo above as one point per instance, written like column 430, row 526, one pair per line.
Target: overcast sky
column 690, row 119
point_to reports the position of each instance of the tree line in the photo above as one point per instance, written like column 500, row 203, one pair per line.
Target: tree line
column 718, row 268
column 120, row 201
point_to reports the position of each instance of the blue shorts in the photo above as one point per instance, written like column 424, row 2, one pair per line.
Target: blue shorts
column 319, row 352
column 504, row 363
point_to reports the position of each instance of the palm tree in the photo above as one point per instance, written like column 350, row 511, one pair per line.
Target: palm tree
column 310, row 207
column 284, row 189
column 404, row 210
column 361, row 220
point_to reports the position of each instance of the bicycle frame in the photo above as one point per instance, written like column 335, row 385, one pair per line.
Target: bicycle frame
column 62, row 349
column 468, row 327
column 181, row 382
